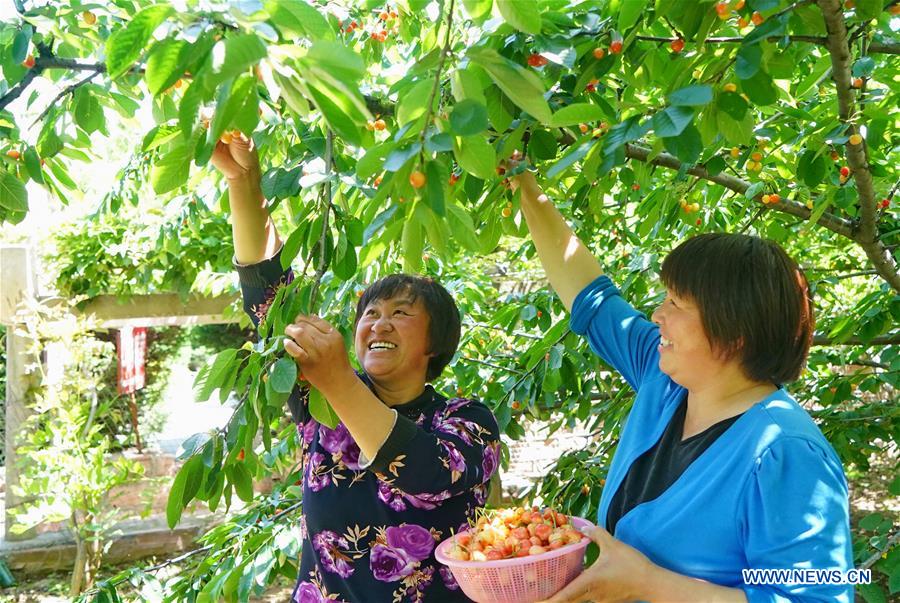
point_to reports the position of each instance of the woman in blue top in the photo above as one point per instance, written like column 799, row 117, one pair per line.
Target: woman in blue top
column 718, row 469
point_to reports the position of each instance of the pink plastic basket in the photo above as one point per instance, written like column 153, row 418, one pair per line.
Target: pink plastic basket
column 519, row 580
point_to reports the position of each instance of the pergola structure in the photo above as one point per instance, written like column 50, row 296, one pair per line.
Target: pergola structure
column 18, row 283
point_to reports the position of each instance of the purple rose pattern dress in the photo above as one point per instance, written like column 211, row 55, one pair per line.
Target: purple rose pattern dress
column 369, row 534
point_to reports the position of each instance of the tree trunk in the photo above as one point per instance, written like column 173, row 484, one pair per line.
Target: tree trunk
column 76, row 586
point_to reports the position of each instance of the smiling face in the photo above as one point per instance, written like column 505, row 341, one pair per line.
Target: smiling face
column 391, row 341
column 685, row 353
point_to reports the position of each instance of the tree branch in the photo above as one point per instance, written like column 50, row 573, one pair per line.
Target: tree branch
column 17, row 90
column 881, row 340
column 894, row 539
column 866, row 232
column 66, row 91
column 490, row 364
column 833, row 223
column 327, row 207
column 445, row 51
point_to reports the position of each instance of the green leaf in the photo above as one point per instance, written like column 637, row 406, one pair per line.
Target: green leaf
column 193, row 479
column 174, row 505
column 397, row 158
column 736, row 131
column 239, row 108
column 629, row 12
column 279, row 183
column 297, row 17
column 434, row 188
column 378, row 223
column 523, row 87
column 337, row 119
column 20, row 44
column 468, row 117
column 88, row 112
column 295, row 100
column 441, row 142
column 733, row 104
column 691, row 96
column 243, row 483
column 542, row 145
column 478, row 9
column 894, row 488
column 771, row 27
column 463, row 228
column 283, row 375
column 871, row 593
column 628, row 130
column 755, row 189
column 577, row 113
column 345, row 262
column 863, row 67
column 687, row 146
column 338, row 60
column 33, row 165
column 13, row 195
column 321, row 410
column 465, row 84
column 171, row 171
column 165, row 64
column 524, row 15
column 811, row 168
column 672, row 121
column 476, row 156
column 158, row 136
column 871, row 521
column 570, row 159
column 747, row 62
column 189, row 109
column 413, row 104
column 49, row 142
column 192, row 444
column 412, row 242
column 214, row 375
column 760, row 89
column 373, row 161
column 233, row 56
column 124, row 46
column 869, row 9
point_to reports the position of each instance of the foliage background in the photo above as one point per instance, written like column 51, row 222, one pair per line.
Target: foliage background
column 640, row 149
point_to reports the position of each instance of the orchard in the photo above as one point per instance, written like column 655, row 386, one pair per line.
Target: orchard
column 385, row 132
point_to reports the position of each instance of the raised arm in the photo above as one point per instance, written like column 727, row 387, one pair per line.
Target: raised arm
column 569, row 265
column 255, row 237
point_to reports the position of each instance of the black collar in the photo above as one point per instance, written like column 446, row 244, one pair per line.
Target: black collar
column 412, row 407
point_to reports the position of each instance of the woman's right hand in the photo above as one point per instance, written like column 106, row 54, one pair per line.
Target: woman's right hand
column 238, row 159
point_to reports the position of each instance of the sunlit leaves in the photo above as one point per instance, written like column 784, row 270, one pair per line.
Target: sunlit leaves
column 524, row 15
column 12, row 193
column 523, row 87
column 171, row 170
column 298, row 18
column 125, row 45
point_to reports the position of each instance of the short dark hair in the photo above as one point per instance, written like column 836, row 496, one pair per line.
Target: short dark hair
column 443, row 315
column 754, row 301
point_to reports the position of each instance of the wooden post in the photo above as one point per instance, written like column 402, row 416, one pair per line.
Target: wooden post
column 17, row 278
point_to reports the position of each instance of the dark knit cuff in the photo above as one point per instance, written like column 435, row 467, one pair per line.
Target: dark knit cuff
column 261, row 274
column 396, row 443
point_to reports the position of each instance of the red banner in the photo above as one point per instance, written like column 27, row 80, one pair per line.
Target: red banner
column 132, row 345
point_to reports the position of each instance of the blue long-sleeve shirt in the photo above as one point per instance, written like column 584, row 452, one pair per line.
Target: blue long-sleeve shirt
column 370, row 528
column 770, row 492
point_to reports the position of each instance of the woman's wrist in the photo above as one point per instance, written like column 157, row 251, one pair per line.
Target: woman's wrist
column 250, row 177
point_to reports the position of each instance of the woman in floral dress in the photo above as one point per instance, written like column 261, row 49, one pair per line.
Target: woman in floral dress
column 406, row 466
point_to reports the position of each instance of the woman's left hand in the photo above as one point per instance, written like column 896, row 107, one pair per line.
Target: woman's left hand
column 320, row 352
column 620, row 573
